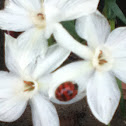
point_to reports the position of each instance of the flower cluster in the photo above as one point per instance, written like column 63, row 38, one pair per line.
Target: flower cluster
column 34, row 76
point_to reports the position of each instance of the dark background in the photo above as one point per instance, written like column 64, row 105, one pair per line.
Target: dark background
column 77, row 114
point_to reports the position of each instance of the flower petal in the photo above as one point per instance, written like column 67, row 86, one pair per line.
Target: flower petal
column 14, row 18
column 33, row 40
column 117, row 42
column 29, row 46
column 7, row 80
column 10, row 104
column 49, row 30
column 12, row 7
column 11, row 109
column 44, row 82
column 29, row 4
column 32, row 45
column 119, row 69
column 68, row 42
column 10, row 54
column 43, row 112
column 92, row 27
column 54, row 57
column 72, row 9
column 103, row 96
column 77, row 73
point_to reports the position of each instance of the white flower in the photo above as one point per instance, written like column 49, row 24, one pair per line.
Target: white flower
column 28, row 80
column 38, row 18
column 104, row 59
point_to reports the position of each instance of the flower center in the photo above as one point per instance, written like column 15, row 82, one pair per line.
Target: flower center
column 39, row 19
column 29, row 86
column 26, row 89
column 40, row 16
column 102, row 59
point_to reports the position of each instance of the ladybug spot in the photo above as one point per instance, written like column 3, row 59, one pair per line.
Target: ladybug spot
column 66, row 91
column 70, row 93
column 76, row 86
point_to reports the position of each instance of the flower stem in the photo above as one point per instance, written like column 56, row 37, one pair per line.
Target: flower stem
column 112, row 24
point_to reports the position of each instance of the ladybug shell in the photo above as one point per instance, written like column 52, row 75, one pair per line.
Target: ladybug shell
column 66, row 91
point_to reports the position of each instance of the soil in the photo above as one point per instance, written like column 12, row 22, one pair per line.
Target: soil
column 77, row 114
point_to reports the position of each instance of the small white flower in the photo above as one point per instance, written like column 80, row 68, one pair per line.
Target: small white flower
column 39, row 17
column 28, row 80
column 104, row 58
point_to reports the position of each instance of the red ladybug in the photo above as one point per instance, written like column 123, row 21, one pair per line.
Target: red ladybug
column 66, row 91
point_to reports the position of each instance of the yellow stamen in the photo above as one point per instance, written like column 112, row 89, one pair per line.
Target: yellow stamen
column 30, row 86
column 29, row 89
column 101, row 62
column 100, row 54
column 41, row 16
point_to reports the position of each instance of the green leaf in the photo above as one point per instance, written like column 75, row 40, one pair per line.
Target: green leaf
column 107, row 11
column 115, row 8
column 112, row 10
column 51, row 41
column 70, row 27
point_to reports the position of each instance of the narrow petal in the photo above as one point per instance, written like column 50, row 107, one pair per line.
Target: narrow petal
column 54, row 57
column 44, row 82
column 14, row 22
column 10, row 104
column 117, row 42
column 11, row 109
column 29, row 46
column 119, row 68
column 14, row 56
column 77, row 73
column 103, row 96
column 29, row 4
column 32, row 45
column 48, row 31
column 92, row 27
column 7, row 80
column 11, row 54
column 16, row 14
column 43, row 112
column 12, row 7
column 33, row 40
column 68, row 42
column 72, row 9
